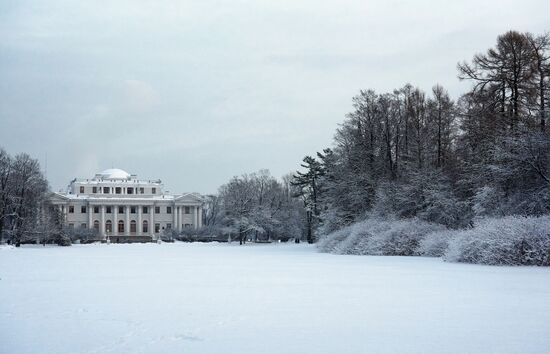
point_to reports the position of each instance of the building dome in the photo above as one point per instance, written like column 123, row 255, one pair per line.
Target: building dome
column 114, row 173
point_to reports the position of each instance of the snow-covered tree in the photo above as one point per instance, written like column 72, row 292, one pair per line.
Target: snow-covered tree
column 260, row 207
column 23, row 190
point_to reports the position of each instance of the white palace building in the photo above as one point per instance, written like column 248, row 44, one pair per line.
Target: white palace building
column 123, row 208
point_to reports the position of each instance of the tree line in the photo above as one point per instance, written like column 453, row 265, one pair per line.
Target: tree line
column 256, row 207
column 413, row 154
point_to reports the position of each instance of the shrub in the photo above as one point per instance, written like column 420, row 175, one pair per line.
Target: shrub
column 204, row 234
column 512, row 240
column 85, row 235
column 435, row 243
column 375, row 236
column 330, row 242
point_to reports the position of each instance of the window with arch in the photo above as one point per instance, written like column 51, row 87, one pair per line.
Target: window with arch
column 96, row 225
column 145, row 226
column 108, row 226
column 133, row 226
column 120, row 226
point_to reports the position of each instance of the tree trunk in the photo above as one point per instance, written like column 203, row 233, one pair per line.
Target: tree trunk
column 309, row 227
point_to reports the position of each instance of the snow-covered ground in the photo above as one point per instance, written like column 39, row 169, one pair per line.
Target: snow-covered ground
column 219, row 298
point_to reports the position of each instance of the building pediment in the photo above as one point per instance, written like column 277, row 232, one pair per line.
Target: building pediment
column 189, row 198
column 57, row 197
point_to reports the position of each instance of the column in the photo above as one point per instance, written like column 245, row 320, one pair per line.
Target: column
column 152, row 220
column 177, row 211
column 102, row 221
column 196, row 217
column 181, row 217
column 127, row 226
column 139, row 222
column 115, row 220
column 90, row 220
column 60, row 211
column 177, row 217
column 174, row 217
column 200, row 217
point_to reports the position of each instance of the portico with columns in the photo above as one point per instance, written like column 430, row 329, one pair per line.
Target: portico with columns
column 123, row 208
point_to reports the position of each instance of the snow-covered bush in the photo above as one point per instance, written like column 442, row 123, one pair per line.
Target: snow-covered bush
column 83, row 235
column 331, row 242
column 404, row 237
column 512, row 240
column 376, row 236
column 435, row 243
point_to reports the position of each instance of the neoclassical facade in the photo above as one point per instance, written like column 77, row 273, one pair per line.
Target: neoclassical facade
column 122, row 207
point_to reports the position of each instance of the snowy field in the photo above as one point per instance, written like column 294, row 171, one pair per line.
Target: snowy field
column 219, row 298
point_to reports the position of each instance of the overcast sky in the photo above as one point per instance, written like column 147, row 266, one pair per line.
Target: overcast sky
column 194, row 92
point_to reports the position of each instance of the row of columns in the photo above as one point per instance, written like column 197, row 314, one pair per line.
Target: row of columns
column 114, row 231
column 178, row 214
column 177, row 222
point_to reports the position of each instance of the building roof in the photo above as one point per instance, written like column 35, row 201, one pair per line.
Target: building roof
column 183, row 198
column 114, row 173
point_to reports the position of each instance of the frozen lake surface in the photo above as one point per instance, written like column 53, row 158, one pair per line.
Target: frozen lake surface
column 220, row 298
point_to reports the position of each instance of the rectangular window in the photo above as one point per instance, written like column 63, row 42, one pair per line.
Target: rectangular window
column 187, row 225
column 105, row 190
column 187, row 210
column 121, row 210
column 96, row 210
column 94, row 189
column 83, row 209
column 108, row 211
column 141, row 190
column 71, row 226
column 168, row 210
column 133, row 210
column 82, row 226
column 81, row 189
column 168, row 226
column 145, row 210
column 118, row 190
column 157, row 228
column 130, row 190
column 157, row 210
column 154, row 190
column 71, row 209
